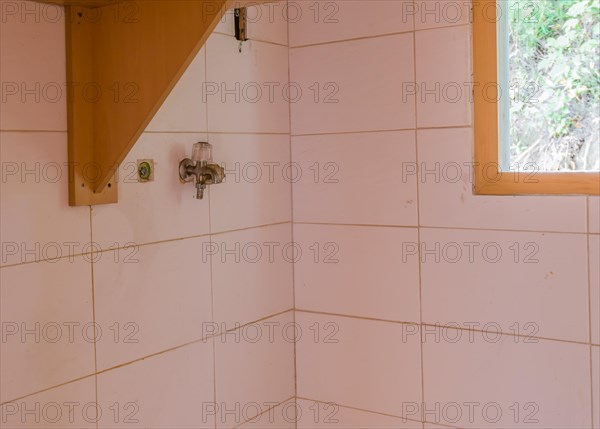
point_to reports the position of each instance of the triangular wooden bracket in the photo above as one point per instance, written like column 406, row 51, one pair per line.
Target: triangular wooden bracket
column 123, row 60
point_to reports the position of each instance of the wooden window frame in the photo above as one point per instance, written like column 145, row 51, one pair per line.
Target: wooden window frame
column 489, row 179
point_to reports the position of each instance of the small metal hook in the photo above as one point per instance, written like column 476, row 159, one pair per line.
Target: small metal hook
column 240, row 15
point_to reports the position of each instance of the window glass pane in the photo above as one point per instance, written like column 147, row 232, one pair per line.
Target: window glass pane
column 549, row 61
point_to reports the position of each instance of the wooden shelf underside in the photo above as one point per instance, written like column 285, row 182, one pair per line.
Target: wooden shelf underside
column 123, row 60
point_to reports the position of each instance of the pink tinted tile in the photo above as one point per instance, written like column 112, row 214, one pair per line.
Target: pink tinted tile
column 254, row 369
column 246, row 91
column 72, row 405
column 282, row 416
column 358, row 363
column 251, row 273
column 338, row 261
column 174, row 390
column 441, row 13
column 428, row 425
column 266, row 22
column 184, row 109
column 515, row 281
column 32, row 66
column 256, row 185
column 154, row 211
column 446, row 196
column 321, row 415
column 150, row 299
column 594, row 249
column 35, row 218
column 326, row 21
column 337, row 186
column 443, row 73
column 547, row 382
column 46, row 310
column 351, row 94
column 596, row 385
column 594, row 215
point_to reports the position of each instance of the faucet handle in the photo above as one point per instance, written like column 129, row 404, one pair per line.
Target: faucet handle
column 201, row 169
column 202, row 152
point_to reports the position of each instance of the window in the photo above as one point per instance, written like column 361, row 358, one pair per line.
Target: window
column 537, row 96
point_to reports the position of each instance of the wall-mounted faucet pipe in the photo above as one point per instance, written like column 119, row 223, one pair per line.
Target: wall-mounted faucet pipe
column 201, row 169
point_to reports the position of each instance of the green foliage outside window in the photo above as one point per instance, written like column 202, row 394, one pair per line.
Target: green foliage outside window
column 554, row 48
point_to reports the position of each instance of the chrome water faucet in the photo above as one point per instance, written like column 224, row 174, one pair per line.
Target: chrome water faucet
column 201, row 169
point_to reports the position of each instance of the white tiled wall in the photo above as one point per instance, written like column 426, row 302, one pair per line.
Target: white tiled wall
column 352, row 271
column 339, row 179
column 157, row 286
column 416, row 249
column 359, row 379
column 254, row 369
column 393, row 325
column 512, row 383
column 353, row 86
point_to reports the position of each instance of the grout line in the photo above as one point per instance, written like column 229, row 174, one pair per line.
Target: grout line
column 440, row 27
column 378, row 36
column 262, row 319
column 151, row 355
column 212, row 312
column 349, row 316
column 291, row 184
column 161, row 352
column 212, row 294
column 199, row 340
column 196, row 341
column 385, row 130
column 589, row 277
column 442, row 326
column 356, row 408
column 253, row 419
column 364, row 410
column 416, row 107
column 455, row 228
column 192, row 237
column 251, row 227
column 451, row 228
column 587, row 213
column 91, row 262
column 150, row 243
column 351, row 39
column 48, row 260
column 336, row 133
column 360, row 225
column 56, row 386
column 213, row 342
column 503, row 230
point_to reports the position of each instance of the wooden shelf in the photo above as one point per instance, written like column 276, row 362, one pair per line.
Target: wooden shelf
column 123, row 60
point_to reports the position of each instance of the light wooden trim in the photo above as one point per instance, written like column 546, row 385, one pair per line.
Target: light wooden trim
column 489, row 180
column 84, row 3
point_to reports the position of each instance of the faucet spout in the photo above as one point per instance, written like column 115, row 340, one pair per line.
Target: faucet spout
column 200, row 191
